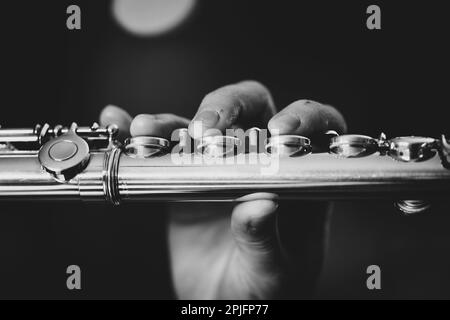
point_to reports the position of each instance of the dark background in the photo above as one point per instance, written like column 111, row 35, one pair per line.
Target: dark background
column 394, row 79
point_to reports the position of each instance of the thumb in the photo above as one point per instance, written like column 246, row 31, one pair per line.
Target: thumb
column 254, row 227
column 115, row 115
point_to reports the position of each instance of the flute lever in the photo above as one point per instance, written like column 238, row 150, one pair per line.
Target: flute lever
column 65, row 156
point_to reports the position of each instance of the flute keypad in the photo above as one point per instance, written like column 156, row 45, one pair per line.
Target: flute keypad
column 353, row 145
column 406, row 149
column 145, row 146
column 288, row 145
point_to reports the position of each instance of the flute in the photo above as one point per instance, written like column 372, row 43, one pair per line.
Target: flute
column 88, row 163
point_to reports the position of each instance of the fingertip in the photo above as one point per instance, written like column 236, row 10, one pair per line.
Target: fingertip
column 204, row 123
column 111, row 114
column 114, row 115
column 283, row 124
column 159, row 125
column 307, row 117
column 142, row 125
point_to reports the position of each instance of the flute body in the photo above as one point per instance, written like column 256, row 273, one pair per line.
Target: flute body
column 318, row 176
column 68, row 167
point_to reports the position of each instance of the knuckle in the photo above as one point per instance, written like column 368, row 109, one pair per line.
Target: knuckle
column 253, row 83
column 233, row 113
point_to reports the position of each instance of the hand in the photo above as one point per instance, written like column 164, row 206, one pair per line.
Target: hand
column 254, row 249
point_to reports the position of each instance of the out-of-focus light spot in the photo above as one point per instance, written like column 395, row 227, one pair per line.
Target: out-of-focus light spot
column 151, row 17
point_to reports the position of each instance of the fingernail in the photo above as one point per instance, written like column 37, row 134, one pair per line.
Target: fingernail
column 285, row 123
column 208, row 118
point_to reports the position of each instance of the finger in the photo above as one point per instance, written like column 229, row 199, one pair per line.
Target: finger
column 115, row 115
column 159, row 125
column 244, row 104
column 254, row 227
column 306, row 117
column 304, row 237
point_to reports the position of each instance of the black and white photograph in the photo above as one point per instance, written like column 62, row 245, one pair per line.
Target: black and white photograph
column 226, row 157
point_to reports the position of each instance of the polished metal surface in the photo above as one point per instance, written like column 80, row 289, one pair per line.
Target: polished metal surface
column 65, row 156
column 146, row 147
column 288, row 145
column 118, row 174
column 412, row 207
column 315, row 176
column 412, row 148
column 353, row 145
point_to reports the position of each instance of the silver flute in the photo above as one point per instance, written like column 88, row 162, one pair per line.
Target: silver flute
column 88, row 163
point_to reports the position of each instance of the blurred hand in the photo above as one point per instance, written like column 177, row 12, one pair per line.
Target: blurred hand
column 256, row 249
